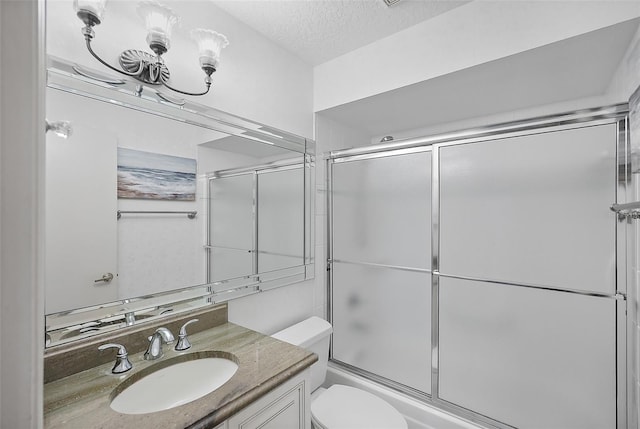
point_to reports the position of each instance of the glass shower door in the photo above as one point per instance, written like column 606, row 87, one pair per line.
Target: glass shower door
column 381, row 266
column 527, row 327
column 517, row 319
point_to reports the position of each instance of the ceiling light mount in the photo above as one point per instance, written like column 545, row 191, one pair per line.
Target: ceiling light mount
column 142, row 65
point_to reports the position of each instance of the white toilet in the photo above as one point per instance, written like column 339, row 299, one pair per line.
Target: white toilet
column 338, row 407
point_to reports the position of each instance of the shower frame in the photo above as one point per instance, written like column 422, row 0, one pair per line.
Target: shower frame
column 614, row 114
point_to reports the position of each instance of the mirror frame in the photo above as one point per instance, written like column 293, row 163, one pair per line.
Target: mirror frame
column 76, row 324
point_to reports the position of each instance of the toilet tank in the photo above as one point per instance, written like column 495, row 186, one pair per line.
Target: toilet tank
column 312, row 334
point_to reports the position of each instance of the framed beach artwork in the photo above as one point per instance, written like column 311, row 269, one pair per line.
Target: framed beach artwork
column 154, row 176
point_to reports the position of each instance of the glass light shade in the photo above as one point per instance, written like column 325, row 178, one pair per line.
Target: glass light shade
column 210, row 44
column 92, row 7
column 159, row 21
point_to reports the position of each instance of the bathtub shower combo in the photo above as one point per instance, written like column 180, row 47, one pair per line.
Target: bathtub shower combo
column 485, row 272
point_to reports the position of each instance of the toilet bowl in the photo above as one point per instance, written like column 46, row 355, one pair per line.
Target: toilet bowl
column 337, row 407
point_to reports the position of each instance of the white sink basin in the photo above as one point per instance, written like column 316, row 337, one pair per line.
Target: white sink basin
column 174, row 385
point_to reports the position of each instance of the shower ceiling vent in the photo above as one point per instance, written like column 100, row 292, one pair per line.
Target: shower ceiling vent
column 391, row 2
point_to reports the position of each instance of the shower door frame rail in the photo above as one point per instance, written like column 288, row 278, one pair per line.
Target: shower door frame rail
column 614, row 114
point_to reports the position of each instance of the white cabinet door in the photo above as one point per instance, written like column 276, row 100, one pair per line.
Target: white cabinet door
column 81, row 205
column 286, row 407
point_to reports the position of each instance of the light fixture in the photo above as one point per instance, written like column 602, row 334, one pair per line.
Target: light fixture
column 159, row 20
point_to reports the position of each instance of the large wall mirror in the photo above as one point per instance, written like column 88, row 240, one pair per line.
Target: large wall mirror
column 157, row 205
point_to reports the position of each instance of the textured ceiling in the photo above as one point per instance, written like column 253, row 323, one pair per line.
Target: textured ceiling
column 320, row 30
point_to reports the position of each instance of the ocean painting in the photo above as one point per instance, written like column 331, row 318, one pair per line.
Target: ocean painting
column 155, row 176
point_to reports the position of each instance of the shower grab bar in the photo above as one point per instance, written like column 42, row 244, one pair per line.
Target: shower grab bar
column 190, row 214
column 628, row 210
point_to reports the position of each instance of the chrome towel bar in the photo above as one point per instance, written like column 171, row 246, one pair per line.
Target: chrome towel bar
column 190, row 214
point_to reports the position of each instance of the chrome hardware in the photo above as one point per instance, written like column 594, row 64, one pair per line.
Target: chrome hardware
column 183, row 341
column 154, row 351
column 122, row 361
column 627, row 211
column 190, row 214
column 129, row 318
column 105, row 278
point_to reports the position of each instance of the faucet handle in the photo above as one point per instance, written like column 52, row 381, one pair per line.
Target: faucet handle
column 122, row 360
column 183, row 341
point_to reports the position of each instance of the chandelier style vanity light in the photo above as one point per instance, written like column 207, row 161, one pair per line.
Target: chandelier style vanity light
column 159, row 20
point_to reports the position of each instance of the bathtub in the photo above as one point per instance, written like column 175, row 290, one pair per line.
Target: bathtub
column 417, row 414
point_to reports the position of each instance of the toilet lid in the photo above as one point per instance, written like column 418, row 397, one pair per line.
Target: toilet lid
column 347, row 407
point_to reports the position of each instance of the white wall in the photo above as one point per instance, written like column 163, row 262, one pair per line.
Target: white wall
column 21, row 200
column 627, row 76
column 475, row 33
column 514, row 115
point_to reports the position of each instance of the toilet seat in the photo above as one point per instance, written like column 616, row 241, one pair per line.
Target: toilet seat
column 341, row 407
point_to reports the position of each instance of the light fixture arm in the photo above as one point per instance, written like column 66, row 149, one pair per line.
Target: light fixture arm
column 88, row 37
column 207, row 81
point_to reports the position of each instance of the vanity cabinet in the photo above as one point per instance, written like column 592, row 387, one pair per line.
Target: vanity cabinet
column 286, row 407
column 270, row 389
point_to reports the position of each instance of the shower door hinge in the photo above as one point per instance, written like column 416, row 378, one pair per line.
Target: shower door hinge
column 619, row 296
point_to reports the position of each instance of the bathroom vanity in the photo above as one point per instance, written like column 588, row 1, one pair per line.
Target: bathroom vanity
column 270, row 388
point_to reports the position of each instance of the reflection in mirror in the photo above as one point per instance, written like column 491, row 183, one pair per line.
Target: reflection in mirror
column 119, row 247
column 255, row 219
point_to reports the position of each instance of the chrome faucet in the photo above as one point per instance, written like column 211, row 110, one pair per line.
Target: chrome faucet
column 122, row 361
column 154, row 351
column 183, row 341
column 129, row 317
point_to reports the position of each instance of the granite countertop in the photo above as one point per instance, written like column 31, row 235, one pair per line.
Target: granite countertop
column 82, row 400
